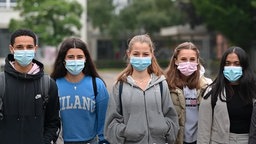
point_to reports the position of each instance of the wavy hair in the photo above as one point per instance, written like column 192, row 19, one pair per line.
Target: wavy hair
column 174, row 77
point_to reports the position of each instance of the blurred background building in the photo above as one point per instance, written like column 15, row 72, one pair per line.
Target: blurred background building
column 107, row 25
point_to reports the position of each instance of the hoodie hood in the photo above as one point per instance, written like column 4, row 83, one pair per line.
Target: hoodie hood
column 10, row 69
column 154, row 80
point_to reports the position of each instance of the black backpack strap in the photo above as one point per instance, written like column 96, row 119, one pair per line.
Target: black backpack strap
column 45, row 81
column 161, row 88
column 94, row 86
column 2, row 92
column 120, row 96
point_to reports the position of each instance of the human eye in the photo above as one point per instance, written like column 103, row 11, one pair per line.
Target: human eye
column 80, row 57
column 237, row 63
column 30, row 47
column 135, row 54
column 146, row 54
column 70, row 57
column 19, row 47
column 192, row 60
column 227, row 63
column 183, row 59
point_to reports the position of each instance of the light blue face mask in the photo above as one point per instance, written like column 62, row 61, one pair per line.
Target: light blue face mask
column 24, row 57
column 232, row 73
column 140, row 63
column 74, row 66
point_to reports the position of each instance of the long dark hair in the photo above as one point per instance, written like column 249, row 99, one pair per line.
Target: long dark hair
column 246, row 83
column 59, row 66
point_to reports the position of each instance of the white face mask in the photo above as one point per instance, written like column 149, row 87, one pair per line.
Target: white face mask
column 75, row 66
column 140, row 63
column 24, row 57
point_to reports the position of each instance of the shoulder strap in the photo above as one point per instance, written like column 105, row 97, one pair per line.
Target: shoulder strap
column 161, row 88
column 94, row 86
column 2, row 92
column 120, row 96
column 45, row 87
column 2, row 84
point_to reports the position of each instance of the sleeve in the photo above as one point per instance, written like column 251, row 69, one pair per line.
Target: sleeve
column 101, row 108
column 170, row 114
column 114, row 123
column 205, row 121
column 52, row 119
column 252, row 134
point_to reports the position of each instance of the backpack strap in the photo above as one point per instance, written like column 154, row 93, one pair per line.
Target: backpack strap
column 2, row 92
column 45, row 81
column 94, row 86
column 161, row 88
column 120, row 96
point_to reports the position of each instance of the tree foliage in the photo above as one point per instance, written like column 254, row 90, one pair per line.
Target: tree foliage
column 138, row 16
column 150, row 15
column 101, row 13
column 236, row 19
column 52, row 20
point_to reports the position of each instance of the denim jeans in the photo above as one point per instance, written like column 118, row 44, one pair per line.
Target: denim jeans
column 92, row 141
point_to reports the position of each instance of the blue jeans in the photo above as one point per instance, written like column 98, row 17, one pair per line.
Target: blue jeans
column 91, row 141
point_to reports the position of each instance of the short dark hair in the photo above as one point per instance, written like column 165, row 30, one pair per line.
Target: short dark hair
column 23, row 32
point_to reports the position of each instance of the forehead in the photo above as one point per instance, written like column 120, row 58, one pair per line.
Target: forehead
column 232, row 57
column 140, row 47
column 187, row 53
column 24, row 40
column 75, row 51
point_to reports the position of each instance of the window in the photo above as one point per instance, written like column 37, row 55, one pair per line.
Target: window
column 7, row 3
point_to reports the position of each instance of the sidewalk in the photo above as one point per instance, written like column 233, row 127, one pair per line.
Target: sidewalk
column 109, row 76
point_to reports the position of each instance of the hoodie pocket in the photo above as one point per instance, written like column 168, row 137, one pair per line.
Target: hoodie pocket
column 135, row 128
column 157, row 124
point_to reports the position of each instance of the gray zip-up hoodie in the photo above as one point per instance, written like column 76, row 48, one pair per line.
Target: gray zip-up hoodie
column 148, row 117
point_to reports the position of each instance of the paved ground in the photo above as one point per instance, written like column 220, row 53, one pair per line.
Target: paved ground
column 109, row 77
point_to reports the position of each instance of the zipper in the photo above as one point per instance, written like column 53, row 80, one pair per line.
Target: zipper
column 146, row 114
column 21, row 113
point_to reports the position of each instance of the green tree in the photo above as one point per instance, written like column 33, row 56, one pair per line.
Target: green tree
column 101, row 13
column 147, row 15
column 235, row 19
column 150, row 15
column 52, row 20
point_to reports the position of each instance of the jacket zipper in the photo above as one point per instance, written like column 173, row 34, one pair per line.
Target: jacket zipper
column 21, row 112
column 146, row 114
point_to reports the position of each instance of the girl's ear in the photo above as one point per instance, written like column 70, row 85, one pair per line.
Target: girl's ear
column 128, row 54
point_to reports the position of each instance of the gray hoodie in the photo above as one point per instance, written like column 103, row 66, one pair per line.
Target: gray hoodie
column 147, row 116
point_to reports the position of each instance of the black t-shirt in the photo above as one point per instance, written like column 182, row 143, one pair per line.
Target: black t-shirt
column 239, row 113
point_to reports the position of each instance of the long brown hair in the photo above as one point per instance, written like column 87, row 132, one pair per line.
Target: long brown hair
column 173, row 75
column 153, row 68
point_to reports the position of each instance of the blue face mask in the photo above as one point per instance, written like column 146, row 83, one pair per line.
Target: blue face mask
column 24, row 57
column 74, row 66
column 140, row 63
column 232, row 73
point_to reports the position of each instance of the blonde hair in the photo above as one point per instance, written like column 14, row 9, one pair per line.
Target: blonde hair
column 153, row 68
column 173, row 75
